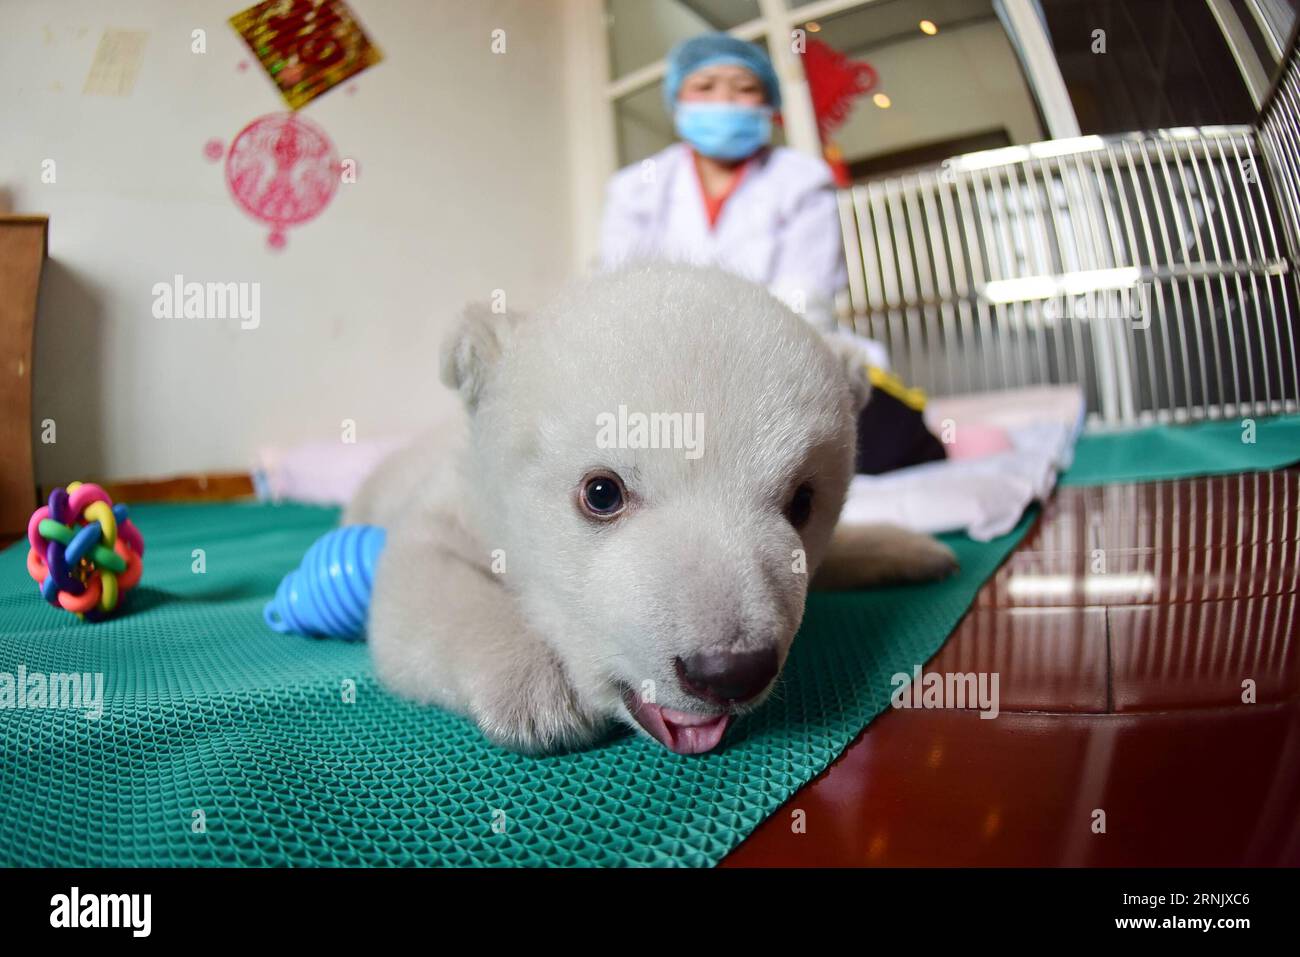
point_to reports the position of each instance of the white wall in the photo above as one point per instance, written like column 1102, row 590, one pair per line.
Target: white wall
column 465, row 187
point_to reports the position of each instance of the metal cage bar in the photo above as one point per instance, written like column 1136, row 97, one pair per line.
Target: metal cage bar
column 1155, row 269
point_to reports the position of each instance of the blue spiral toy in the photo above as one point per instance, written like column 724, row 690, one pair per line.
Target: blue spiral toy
column 328, row 594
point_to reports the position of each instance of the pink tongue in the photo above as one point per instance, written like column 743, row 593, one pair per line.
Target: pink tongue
column 698, row 738
column 680, row 731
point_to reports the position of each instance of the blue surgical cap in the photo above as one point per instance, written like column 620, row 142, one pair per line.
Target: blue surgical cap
column 710, row 49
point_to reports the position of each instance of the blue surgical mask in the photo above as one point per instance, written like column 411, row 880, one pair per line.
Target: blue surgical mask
column 725, row 131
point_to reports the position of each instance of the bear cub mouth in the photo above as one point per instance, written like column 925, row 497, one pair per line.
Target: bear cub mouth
column 682, row 732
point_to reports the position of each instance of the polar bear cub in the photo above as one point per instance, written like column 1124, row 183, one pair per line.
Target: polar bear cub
column 625, row 530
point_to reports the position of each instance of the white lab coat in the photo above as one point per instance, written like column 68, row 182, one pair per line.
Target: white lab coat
column 779, row 228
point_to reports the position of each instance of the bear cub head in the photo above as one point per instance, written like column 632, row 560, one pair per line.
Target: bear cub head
column 661, row 457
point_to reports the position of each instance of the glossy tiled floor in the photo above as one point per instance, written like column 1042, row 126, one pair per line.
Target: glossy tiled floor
column 1126, row 631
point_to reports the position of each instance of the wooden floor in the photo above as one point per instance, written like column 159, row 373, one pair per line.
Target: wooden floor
column 1126, row 631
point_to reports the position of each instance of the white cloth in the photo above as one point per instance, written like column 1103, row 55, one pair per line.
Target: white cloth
column 780, row 228
column 984, row 497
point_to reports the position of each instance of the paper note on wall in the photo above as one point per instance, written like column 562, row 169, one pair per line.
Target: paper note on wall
column 307, row 46
column 117, row 61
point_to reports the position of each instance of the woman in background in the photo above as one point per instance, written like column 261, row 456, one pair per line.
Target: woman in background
column 723, row 195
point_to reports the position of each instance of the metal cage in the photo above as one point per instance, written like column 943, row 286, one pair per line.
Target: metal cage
column 1155, row 269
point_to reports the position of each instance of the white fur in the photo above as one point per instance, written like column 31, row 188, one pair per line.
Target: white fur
column 703, row 558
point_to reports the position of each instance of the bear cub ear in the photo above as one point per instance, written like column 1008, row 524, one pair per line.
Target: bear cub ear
column 471, row 350
column 854, row 359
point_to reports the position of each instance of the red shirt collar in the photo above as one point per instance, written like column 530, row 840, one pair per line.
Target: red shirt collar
column 713, row 204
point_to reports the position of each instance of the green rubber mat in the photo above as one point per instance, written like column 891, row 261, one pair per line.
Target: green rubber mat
column 1180, row 451
column 221, row 742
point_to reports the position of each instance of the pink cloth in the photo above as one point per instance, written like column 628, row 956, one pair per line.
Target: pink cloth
column 1007, row 408
column 974, row 441
column 324, row 473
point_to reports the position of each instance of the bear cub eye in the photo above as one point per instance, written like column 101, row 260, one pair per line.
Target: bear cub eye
column 602, row 496
column 800, row 507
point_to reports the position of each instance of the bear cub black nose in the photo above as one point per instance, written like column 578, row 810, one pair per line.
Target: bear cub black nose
column 727, row 677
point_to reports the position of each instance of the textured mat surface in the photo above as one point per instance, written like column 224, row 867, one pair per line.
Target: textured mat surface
column 222, row 742
column 1181, row 451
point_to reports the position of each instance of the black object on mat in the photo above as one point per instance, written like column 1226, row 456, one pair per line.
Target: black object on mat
column 892, row 435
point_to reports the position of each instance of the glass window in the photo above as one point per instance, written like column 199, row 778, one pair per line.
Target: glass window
column 1146, row 64
column 949, row 82
column 641, row 32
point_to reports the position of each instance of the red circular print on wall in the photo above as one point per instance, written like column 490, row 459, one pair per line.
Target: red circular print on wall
column 283, row 170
